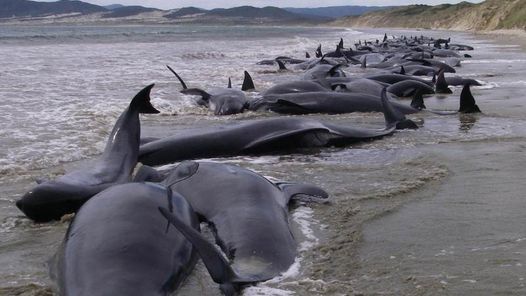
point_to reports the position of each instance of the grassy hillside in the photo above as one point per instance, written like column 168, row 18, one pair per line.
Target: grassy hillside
column 488, row 15
column 335, row 11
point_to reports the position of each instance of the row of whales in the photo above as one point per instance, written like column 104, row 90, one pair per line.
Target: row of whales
column 141, row 235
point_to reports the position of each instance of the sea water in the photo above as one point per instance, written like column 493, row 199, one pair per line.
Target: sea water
column 63, row 87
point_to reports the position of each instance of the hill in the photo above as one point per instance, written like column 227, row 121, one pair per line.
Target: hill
column 485, row 16
column 113, row 6
column 65, row 11
column 241, row 15
column 185, row 12
column 24, row 8
column 336, row 11
column 126, row 11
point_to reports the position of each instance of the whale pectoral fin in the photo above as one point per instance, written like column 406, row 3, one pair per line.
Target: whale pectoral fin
column 144, row 173
column 178, row 77
column 279, row 135
column 297, row 108
column 418, row 100
column 393, row 117
column 303, row 192
column 281, row 65
column 215, row 262
column 183, row 171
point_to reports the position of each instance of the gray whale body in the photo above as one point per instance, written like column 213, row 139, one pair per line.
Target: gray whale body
column 119, row 244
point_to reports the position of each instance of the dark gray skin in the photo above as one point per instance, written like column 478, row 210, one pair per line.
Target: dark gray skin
column 119, row 244
column 417, row 70
column 294, row 87
column 221, row 101
column 445, row 53
column 364, row 86
column 408, row 88
column 326, row 102
column 437, row 64
column 267, row 136
column 322, row 72
column 460, row 47
column 248, row 215
column 50, row 200
column 394, row 78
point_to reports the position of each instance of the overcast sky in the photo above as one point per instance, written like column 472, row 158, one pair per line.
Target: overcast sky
column 168, row 4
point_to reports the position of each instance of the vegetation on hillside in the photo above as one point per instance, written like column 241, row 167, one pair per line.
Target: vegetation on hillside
column 488, row 15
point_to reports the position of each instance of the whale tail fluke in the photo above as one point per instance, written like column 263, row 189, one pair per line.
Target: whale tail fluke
column 215, row 262
column 141, row 101
column 441, row 86
column 248, row 83
column 178, row 77
column 467, row 101
column 393, row 117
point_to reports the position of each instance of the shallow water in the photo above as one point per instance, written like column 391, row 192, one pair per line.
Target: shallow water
column 63, row 87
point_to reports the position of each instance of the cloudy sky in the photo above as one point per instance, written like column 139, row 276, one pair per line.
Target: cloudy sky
column 168, row 4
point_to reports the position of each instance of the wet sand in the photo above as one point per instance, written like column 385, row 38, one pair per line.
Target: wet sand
column 460, row 231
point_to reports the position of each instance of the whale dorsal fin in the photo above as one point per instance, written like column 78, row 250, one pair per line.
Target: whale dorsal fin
column 340, row 45
column 319, row 54
column 418, row 100
column 141, row 101
column 144, row 173
column 248, row 83
column 364, row 62
column 402, row 70
column 467, row 101
column 441, row 84
column 307, row 55
column 181, row 172
column 229, row 83
column 178, row 77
